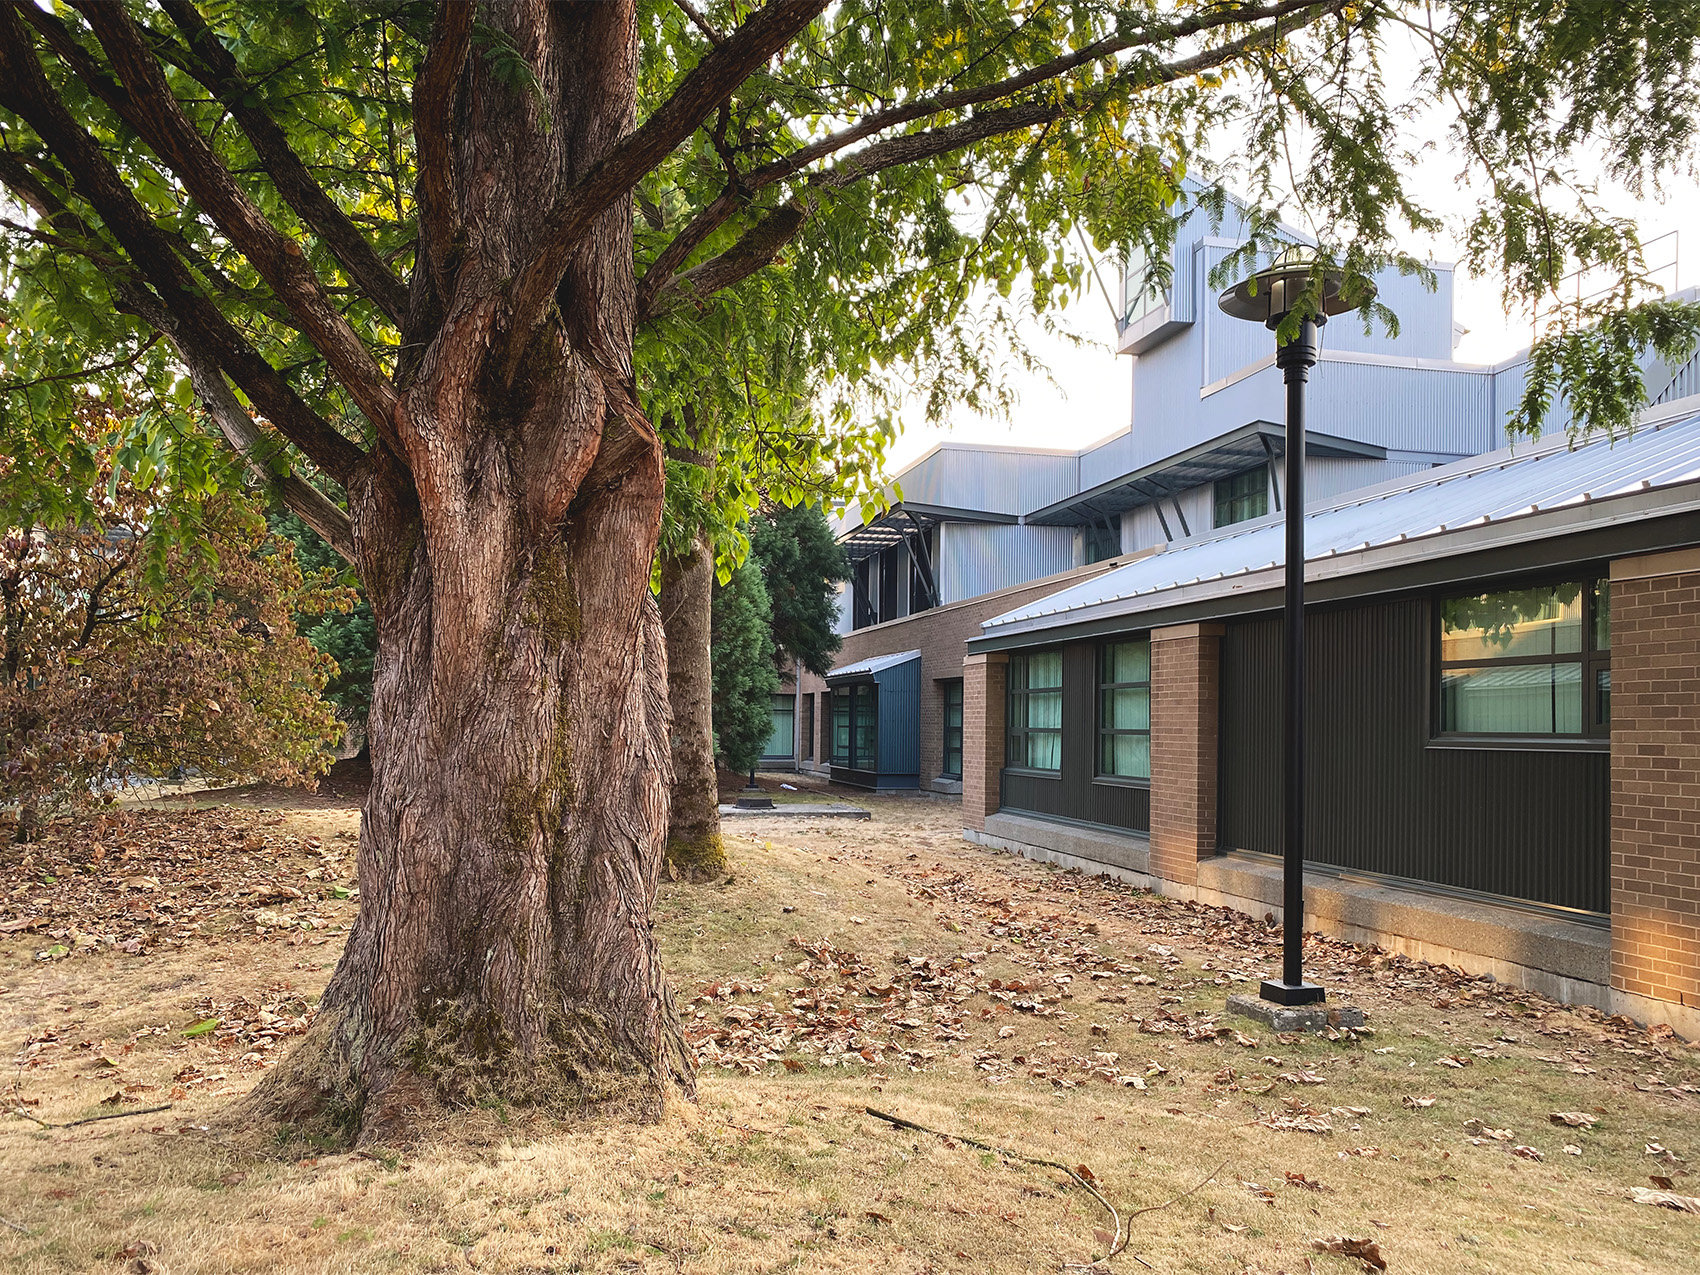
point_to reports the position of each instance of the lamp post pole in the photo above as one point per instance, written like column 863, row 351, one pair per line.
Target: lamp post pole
column 1295, row 359
column 1270, row 297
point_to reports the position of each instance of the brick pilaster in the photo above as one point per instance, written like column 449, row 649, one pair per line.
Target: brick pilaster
column 1655, row 784
column 985, row 682
column 1186, row 662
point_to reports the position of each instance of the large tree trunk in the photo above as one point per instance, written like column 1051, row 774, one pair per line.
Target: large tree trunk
column 694, row 848
column 513, row 835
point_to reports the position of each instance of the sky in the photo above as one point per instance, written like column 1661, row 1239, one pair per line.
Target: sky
column 1092, row 394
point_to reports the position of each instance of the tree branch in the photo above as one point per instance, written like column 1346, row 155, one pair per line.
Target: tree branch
column 702, row 89
column 191, row 319
column 225, row 79
column 761, row 243
column 279, row 261
column 314, row 508
column 434, row 94
column 717, row 213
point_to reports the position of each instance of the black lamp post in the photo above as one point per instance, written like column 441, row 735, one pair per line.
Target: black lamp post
column 1268, row 297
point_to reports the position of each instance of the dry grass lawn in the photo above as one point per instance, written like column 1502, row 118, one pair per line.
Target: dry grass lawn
column 841, row 965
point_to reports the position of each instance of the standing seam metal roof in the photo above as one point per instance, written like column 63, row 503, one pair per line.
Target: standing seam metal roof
column 1495, row 488
column 876, row 664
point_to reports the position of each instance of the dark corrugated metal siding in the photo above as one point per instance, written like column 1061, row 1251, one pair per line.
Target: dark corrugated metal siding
column 900, row 724
column 1524, row 823
column 1075, row 794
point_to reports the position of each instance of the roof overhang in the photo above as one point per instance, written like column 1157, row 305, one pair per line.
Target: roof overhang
column 865, row 670
column 1220, row 457
column 1632, row 523
column 904, row 519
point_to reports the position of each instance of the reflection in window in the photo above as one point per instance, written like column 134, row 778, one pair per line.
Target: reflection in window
column 1124, row 710
column 1142, row 288
column 782, row 738
column 855, row 726
column 1035, row 710
column 952, row 729
column 1530, row 661
column 1242, row 497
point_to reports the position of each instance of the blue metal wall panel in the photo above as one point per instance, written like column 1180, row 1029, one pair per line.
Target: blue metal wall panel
column 900, row 724
column 976, row 558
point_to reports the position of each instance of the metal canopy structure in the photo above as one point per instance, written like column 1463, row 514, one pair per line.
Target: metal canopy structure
column 906, row 518
column 864, row 669
column 1253, row 444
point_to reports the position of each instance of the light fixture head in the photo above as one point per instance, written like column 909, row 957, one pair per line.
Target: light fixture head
column 1270, row 294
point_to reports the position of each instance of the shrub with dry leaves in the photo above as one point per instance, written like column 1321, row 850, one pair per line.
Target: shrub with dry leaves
column 131, row 644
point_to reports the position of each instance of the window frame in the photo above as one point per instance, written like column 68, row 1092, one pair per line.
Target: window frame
column 951, row 684
column 1103, row 732
column 1217, row 503
column 858, row 697
column 1595, row 733
column 1016, row 736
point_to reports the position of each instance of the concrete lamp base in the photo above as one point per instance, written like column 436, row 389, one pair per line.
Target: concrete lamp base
column 1295, row 1018
column 1282, row 993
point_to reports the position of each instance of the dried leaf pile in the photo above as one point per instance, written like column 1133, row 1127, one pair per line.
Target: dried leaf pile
column 136, row 880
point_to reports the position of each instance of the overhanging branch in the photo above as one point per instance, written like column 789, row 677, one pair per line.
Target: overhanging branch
column 761, row 243
column 224, row 78
column 194, row 320
column 698, row 94
column 279, row 260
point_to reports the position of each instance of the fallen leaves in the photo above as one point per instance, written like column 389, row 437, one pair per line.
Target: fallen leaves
column 1574, row 1119
column 1665, row 1199
column 1298, row 1124
column 1365, row 1250
column 1479, row 1132
column 135, row 879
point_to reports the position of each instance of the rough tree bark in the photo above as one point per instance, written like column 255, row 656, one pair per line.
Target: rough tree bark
column 512, row 839
column 694, row 848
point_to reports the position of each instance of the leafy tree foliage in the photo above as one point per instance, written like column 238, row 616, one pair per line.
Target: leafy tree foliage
column 348, row 636
column 800, row 562
column 745, row 680
column 127, row 653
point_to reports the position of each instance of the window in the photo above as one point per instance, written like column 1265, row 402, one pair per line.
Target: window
column 952, row 729
column 1124, row 710
column 1242, row 497
column 782, row 739
column 1533, row 661
column 1104, row 539
column 855, row 726
column 1035, row 710
column 1142, row 288
column 808, row 732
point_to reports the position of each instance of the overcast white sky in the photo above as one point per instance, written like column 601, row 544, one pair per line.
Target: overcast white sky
column 1093, row 396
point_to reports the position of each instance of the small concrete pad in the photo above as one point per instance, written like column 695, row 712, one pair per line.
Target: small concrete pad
column 1295, row 1018
column 797, row 810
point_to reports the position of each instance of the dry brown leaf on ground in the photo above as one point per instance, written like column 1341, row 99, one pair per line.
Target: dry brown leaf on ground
column 1365, row 1250
column 1665, row 1199
column 1298, row 1124
column 1575, row 1119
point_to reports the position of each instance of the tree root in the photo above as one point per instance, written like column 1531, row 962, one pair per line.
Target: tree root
column 330, row 1092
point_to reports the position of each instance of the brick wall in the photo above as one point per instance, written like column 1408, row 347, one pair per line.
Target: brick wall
column 939, row 636
column 985, row 683
column 1655, row 778
column 1186, row 662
